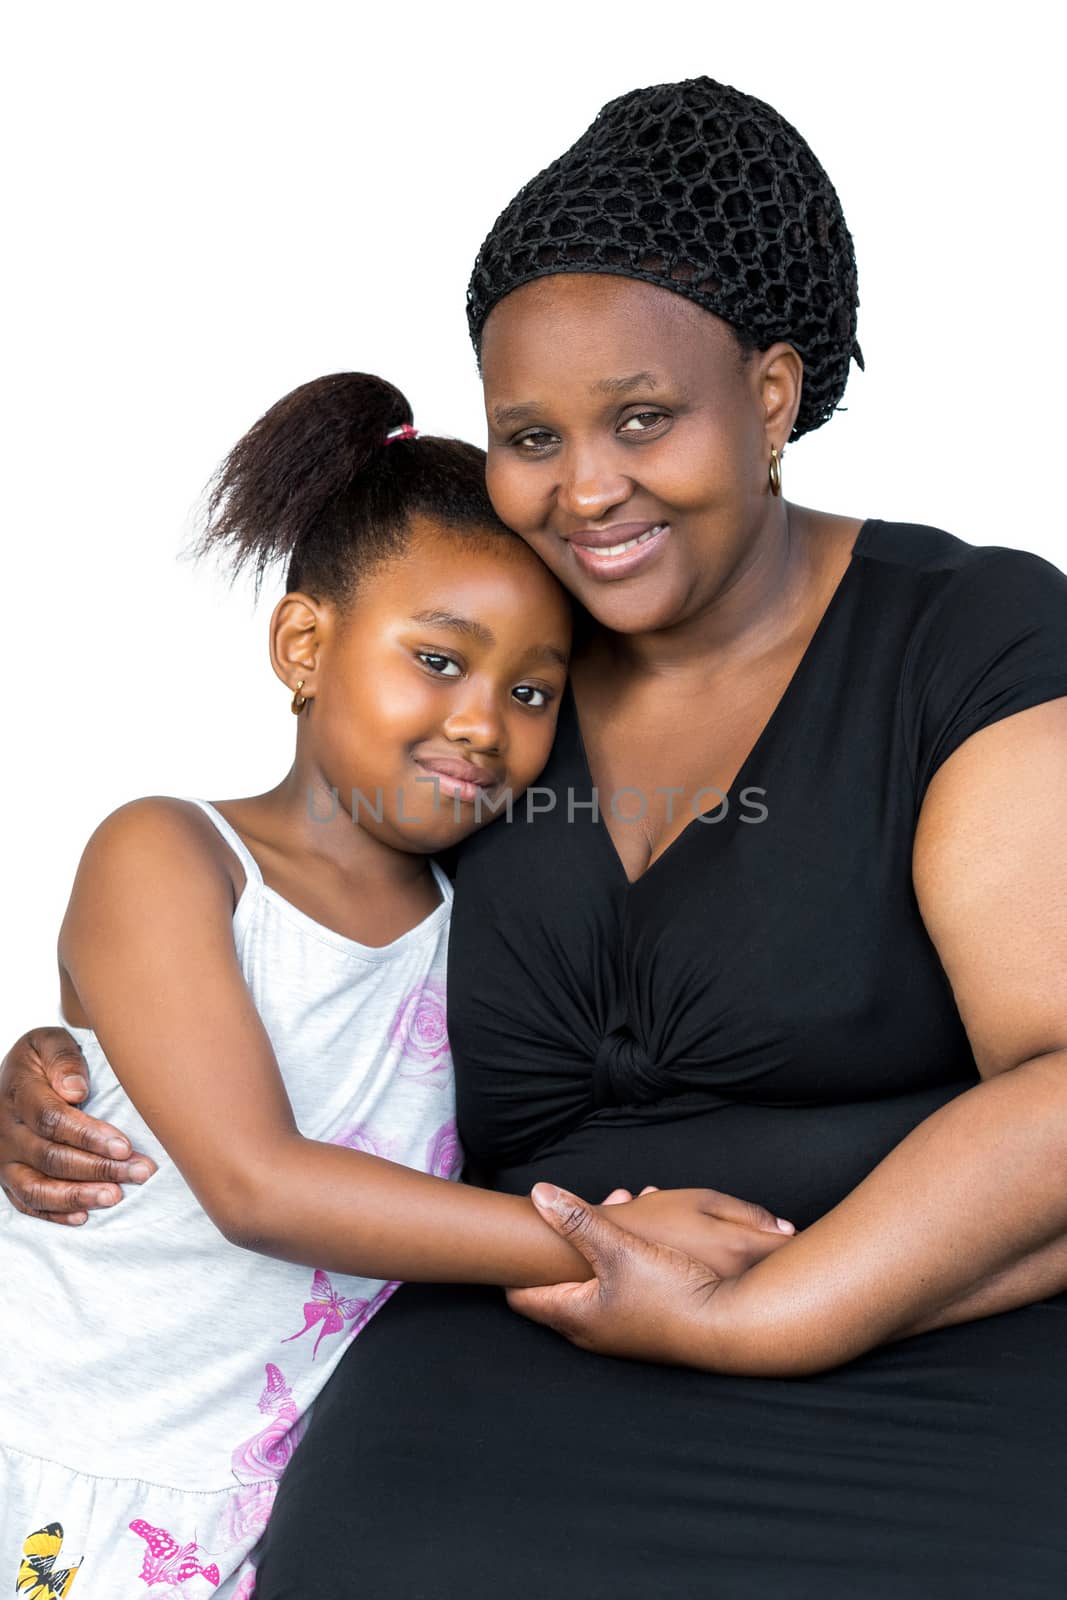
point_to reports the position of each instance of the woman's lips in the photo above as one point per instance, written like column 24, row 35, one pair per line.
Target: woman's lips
column 617, row 552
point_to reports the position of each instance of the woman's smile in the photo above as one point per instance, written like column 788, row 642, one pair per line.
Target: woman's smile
column 618, row 550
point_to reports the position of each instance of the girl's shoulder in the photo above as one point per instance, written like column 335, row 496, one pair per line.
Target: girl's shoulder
column 160, row 838
column 153, row 885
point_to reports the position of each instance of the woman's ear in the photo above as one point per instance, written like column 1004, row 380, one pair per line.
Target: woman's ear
column 298, row 627
column 780, row 378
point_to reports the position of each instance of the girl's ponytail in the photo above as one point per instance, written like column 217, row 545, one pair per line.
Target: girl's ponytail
column 315, row 484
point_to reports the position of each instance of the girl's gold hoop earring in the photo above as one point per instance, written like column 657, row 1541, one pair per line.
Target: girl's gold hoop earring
column 774, row 472
column 299, row 700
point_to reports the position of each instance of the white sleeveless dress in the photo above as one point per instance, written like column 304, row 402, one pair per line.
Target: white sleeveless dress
column 153, row 1377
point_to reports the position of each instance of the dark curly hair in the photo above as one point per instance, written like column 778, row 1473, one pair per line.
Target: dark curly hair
column 315, row 484
column 706, row 191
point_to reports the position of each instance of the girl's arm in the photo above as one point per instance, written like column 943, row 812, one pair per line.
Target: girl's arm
column 147, row 943
column 966, row 1216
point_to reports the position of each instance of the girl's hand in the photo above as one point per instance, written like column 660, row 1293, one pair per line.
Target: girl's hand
column 56, row 1162
column 645, row 1301
column 720, row 1232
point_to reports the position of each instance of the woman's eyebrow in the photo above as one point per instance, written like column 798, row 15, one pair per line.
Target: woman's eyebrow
column 635, row 380
column 529, row 410
column 505, row 416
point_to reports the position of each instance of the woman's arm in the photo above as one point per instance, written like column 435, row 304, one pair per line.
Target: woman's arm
column 967, row 1215
column 147, row 943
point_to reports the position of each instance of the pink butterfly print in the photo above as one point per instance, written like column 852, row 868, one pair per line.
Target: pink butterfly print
column 329, row 1308
column 277, row 1397
column 268, row 1452
column 166, row 1561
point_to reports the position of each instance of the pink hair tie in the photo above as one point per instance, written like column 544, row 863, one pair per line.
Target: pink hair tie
column 405, row 431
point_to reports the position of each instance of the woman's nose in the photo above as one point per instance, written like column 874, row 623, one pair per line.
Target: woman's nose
column 590, row 484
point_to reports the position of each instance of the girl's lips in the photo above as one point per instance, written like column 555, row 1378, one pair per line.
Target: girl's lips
column 602, row 565
column 450, row 781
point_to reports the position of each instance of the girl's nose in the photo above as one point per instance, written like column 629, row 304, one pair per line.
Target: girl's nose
column 591, row 486
column 476, row 720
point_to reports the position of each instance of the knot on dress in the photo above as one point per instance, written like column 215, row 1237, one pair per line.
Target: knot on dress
column 622, row 1073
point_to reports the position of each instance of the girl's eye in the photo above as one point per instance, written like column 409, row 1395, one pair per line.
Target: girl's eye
column 641, row 421
column 528, row 694
column 444, row 665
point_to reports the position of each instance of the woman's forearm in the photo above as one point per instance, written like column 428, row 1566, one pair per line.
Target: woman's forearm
column 346, row 1211
column 967, row 1212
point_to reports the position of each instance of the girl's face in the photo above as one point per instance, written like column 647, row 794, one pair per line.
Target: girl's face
column 437, row 690
column 629, row 442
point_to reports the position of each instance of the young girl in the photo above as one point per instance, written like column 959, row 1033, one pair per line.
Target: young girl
column 258, row 986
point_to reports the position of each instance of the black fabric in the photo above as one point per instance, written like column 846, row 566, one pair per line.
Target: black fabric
column 709, row 192
column 762, row 1012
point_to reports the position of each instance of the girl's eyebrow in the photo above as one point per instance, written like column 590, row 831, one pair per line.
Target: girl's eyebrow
column 448, row 619
column 484, row 635
column 548, row 652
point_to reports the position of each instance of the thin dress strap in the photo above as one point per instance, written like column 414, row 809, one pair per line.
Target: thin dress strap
column 234, row 840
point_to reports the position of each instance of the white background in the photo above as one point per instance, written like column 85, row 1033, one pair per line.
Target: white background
column 207, row 204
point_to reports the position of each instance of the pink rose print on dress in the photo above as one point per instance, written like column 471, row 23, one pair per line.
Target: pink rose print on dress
column 420, row 1030
column 268, row 1452
column 371, row 1143
column 250, row 1511
column 167, row 1562
column 246, row 1589
column 360, row 1138
column 443, row 1154
column 329, row 1308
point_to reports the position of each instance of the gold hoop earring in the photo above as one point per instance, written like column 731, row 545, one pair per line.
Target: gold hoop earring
column 299, row 700
column 774, row 472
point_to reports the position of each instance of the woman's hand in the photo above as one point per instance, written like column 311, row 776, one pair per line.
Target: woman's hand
column 719, row 1231
column 56, row 1162
column 646, row 1301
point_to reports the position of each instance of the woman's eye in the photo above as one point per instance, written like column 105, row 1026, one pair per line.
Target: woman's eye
column 641, row 421
column 534, row 442
column 528, row 694
column 438, row 663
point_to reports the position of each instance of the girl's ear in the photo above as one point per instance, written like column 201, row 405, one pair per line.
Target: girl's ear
column 780, row 376
column 298, row 628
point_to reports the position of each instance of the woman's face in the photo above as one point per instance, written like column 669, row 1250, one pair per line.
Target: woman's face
column 629, row 441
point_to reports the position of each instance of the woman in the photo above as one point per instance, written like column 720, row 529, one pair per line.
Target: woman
column 821, row 967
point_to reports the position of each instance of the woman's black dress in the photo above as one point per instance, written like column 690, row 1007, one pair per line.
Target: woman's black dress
column 764, row 1013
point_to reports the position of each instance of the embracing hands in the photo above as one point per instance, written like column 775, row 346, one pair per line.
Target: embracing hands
column 648, row 1300
column 56, row 1162
column 716, row 1230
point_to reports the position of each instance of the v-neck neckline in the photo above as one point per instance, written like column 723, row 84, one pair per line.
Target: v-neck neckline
column 821, row 628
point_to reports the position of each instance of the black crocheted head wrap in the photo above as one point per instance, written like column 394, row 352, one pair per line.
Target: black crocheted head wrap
column 701, row 189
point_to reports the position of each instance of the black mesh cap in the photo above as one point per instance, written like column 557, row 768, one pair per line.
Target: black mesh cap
column 701, row 189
